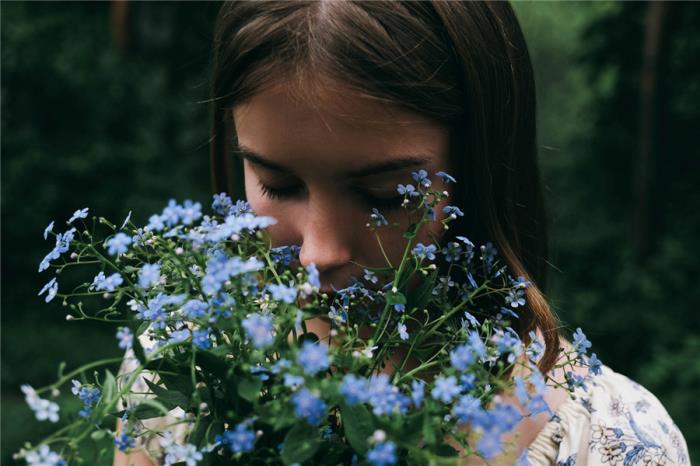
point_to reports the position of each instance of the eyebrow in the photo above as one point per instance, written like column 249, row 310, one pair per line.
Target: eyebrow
column 396, row 162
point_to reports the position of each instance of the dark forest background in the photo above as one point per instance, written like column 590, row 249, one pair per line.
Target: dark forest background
column 103, row 107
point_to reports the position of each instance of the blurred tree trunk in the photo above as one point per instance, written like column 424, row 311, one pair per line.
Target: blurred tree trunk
column 651, row 109
column 121, row 24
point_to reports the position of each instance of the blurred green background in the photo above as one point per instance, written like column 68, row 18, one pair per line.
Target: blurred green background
column 104, row 108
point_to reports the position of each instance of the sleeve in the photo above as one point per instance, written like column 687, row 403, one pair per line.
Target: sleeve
column 615, row 421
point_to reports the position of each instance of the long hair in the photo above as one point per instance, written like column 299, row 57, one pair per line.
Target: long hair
column 465, row 65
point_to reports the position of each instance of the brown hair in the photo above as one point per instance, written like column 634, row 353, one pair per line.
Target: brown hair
column 463, row 64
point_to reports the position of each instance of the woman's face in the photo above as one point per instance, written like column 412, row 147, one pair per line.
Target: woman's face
column 319, row 170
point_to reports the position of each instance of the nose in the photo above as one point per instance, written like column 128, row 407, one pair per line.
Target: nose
column 326, row 239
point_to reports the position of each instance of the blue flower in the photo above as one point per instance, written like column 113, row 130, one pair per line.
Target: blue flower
column 386, row 398
column 452, row 251
column 445, row 177
column 200, row 339
column 488, row 254
column 408, row 190
column 44, row 456
column 195, row 309
column 354, row 389
column 282, row 293
column 179, row 336
column 259, row 329
column 313, row 275
column 155, row 222
column 293, row 381
column 222, row 204
column 48, row 229
column 422, row 252
column 52, row 287
column 125, row 337
column 402, row 331
column 490, row 444
column 445, row 389
column 466, row 409
column 398, row 307
column 452, row 211
column 149, row 275
column 124, row 442
column 462, row 357
column 417, row 392
column 285, row 255
column 118, row 244
column 100, row 282
column 313, row 357
column 190, row 212
column 377, row 218
column 382, row 454
column 515, row 297
column 309, row 407
column 239, row 440
column 594, row 365
column 80, row 213
column 581, row 343
column 370, row 276
column 421, row 177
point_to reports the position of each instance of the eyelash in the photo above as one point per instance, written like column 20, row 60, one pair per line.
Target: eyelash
column 393, row 203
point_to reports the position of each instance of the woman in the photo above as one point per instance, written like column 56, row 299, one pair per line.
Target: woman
column 327, row 106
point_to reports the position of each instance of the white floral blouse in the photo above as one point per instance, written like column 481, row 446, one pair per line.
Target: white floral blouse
column 614, row 421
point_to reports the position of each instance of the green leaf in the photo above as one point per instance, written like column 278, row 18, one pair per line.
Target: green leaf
column 249, row 388
column 109, row 386
column 395, row 298
column 170, row 398
column 411, row 231
column 300, row 443
column 358, row 425
column 420, row 296
column 428, row 430
column 146, row 409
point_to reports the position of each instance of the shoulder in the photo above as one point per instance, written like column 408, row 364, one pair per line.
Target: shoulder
column 612, row 420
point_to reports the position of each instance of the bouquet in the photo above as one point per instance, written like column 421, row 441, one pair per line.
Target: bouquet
column 213, row 319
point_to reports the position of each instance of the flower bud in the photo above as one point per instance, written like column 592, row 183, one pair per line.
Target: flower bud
column 378, row 436
column 179, row 250
column 74, row 255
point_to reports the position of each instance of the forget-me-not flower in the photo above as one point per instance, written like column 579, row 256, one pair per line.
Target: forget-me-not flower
column 149, row 275
column 80, row 213
column 52, row 287
column 118, row 244
column 259, row 329
column 313, row 357
column 309, row 406
column 383, row 454
column 125, row 337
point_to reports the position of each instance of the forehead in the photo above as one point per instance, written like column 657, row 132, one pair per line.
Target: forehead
column 333, row 126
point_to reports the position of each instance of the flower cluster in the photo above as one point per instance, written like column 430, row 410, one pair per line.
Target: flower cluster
column 215, row 321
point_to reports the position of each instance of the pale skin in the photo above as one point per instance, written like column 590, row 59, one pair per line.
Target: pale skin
column 305, row 153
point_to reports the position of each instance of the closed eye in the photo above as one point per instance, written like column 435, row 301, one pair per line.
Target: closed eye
column 368, row 199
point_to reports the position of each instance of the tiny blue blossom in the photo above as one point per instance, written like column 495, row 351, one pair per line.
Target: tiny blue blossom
column 383, row 454
column 421, row 177
column 125, row 337
column 282, row 293
column 239, row 440
column 408, row 190
column 110, row 283
column 462, row 357
column 581, row 343
column 80, row 213
column 515, row 297
column 118, row 244
column 377, row 218
column 149, row 275
column 417, row 392
column 466, row 409
column 445, row 389
column 445, row 177
column 309, row 407
column 190, row 212
column 370, row 276
column 424, row 252
column 52, row 287
column 195, row 309
column 314, row 280
column 259, row 329
column 124, row 442
column 48, row 230
column 398, row 307
column 313, row 357
column 44, row 456
column 222, row 204
column 293, row 381
column 452, row 211
column 402, row 331
column 354, row 389
column 594, row 365
column 126, row 220
column 200, row 338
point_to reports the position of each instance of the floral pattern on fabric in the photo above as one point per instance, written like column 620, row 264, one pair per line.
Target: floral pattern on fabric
column 614, row 421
